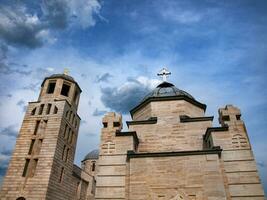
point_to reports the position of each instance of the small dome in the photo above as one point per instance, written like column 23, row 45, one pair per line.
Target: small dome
column 64, row 76
column 166, row 89
column 93, row 155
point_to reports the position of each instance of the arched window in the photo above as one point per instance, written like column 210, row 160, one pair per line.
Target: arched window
column 21, row 198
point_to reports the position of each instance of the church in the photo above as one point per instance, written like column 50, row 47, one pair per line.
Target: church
column 171, row 151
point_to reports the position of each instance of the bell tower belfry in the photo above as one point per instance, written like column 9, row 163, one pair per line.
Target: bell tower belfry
column 41, row 166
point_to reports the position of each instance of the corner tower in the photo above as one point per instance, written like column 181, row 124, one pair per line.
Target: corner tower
column 41, row 166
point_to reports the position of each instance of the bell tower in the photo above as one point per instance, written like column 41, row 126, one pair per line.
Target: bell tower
column 41, row 166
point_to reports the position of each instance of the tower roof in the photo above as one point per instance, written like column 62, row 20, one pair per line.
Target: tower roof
column 92, row 155
column 167, row 91
column 63, row 76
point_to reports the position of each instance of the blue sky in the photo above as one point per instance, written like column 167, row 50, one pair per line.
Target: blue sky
column 216, row 51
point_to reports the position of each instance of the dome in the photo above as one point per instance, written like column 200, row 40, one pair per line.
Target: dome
column 165, row 92
column 63, row 76
column 166, row 89
column 93, row 155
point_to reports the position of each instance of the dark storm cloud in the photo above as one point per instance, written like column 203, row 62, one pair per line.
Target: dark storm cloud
column 20, row 28
column 56, row 13
column 30, row 24
column 125, row 98
column 9, row 131
column 103, row 77
column 10, row 68
column 99, row 112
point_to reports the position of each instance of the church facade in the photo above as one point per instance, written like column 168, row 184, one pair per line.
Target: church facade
column 171, row 151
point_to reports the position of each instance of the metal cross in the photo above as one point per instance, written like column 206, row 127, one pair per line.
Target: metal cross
column 66, row 71
column 164, row 73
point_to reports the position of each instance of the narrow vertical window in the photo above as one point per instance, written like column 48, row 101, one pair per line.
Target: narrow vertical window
column 26, row 167
column 67, row 113
column 65, row 131
column 55, row 110
column 61, row 174
column 65, row 90
column 48, row 108
column 67, row 155
column 70, row 115
column 69, row 136
column 39, row 145
column 36, row 127
column 93, row 166
column 72, row 138
column 33, row 167
column 41, row 108
column 51, row 87
column 31, row 147
column 63, row 153
column 33, row 111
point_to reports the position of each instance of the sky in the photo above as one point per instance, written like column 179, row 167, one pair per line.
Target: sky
column 215, row 50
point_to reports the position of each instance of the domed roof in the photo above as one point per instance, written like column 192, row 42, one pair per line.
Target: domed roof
column 166, row 89
column 63, row 76
column 165, row 92
column 92, row 155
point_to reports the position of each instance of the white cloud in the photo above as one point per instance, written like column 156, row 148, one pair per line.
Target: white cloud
column 84, row 11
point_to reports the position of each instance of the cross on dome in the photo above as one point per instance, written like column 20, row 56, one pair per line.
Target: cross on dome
column 164, row 73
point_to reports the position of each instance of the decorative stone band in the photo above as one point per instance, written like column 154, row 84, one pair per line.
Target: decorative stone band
column 214, row 150
column 185, row 118
column 151, row 120
column 214, row 129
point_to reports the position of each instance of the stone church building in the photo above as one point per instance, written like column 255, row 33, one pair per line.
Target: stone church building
column 171, row 151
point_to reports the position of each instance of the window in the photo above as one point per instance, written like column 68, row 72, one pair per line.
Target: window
column 31, row 147
column 116, row 124
column 36, row 127
column 105, row 124
column 33, row 111
column 93, row 166
column 67, row 113
column 26, row 167
column 33, row 167
column 61, row 174
column 238, row 117
column 51, row 87
column 65, row 131
column 65, row 90
column 48, row 108
column 55, row 110
column 226, row 118
column 21, row 198
column 63, row 153
column 67, row 155
column 41, row 109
